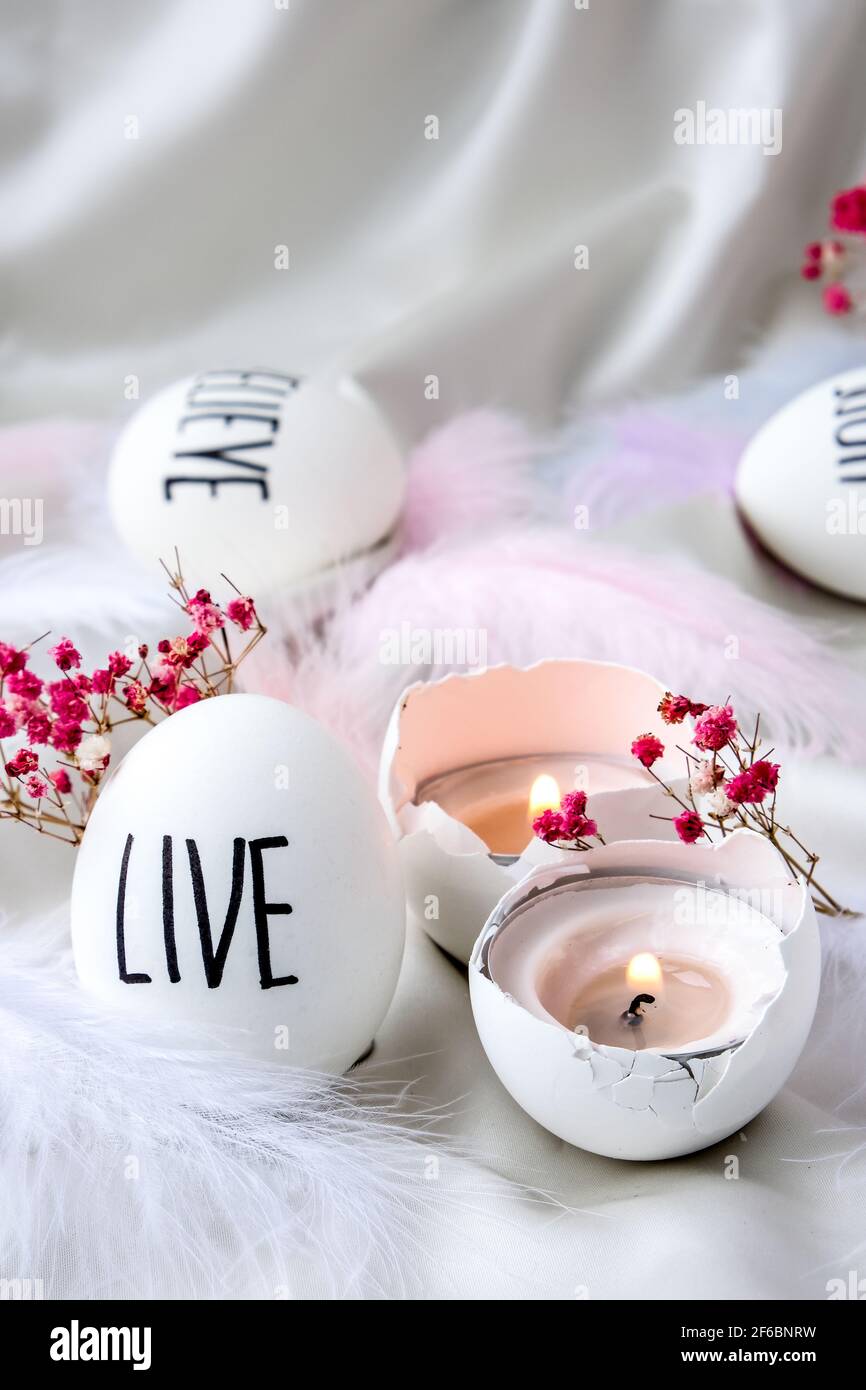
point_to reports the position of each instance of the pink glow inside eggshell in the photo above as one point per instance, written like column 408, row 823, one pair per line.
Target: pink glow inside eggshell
column 562, row 954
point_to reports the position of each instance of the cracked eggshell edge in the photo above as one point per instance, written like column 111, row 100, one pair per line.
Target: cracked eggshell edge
column 642, row 1106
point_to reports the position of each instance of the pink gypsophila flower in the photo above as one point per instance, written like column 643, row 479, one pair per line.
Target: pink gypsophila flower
column 548, row 826
column 689, row 827
column 135, row 696
column 66, row 701
column 647, row 749
column 102, row 682
column 578, row 827
column 744, row 789
column 206, row 616
column 65, row 655
column 765, row 774
column 242, row 612
column 24, row 762
column 11, row 659
column 25, row 684
column 66, row 735
column 37, row 787
column 573, row 803
column 187, row 695
column 60, row 778
column 574, row 824
column 837, row 300
column 163, row 687
column 182, row 651
column 716, row 727
column 39, row 729
column 8, row 724
column 848, row 210
column 118, row 664
column 674, row 708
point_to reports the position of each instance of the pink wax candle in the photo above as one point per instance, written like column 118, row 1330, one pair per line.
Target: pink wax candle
column 633, row 964
column 500, row 800
column 647, row 1002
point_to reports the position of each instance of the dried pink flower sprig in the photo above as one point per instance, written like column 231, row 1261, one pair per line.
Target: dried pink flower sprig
column 70, row 720
column 731, row 783
column 570, row 826
column 839, row 265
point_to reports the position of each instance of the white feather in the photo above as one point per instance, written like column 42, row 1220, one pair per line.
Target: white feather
column 227, row 1177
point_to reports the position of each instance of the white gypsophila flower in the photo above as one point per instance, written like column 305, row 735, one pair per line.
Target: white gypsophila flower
column 702, row 779
column 718, row 803
column 93, row 752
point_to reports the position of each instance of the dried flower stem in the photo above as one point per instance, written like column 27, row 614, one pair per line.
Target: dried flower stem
column 75, row 716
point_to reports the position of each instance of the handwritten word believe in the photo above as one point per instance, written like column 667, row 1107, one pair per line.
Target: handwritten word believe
column 255, row 397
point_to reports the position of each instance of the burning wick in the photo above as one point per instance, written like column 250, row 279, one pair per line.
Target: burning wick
column 633, row 1014
column 642, row 969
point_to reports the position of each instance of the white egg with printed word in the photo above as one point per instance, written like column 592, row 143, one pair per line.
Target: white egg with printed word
column 237, row 872
column 282, row 483
column 801, row 484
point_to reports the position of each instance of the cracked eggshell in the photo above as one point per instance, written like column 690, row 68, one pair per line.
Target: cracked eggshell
column 554, row 706
column 801, row 484
column 319, row 898
column 641, row 1105
column 298, row 493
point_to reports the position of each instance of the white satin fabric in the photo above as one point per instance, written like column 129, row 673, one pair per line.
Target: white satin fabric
column 154, row 158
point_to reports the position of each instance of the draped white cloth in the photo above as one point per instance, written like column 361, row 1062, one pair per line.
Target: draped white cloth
column 155, row 158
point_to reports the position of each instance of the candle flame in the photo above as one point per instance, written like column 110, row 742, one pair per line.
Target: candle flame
column 643, row 971
column 544, row 796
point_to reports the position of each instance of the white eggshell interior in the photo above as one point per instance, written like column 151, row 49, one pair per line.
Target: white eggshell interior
column 641, row 1105
column 555, row 706
column 573, row 923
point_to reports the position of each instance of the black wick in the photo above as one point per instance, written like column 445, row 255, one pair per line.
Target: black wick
column 633, row 1013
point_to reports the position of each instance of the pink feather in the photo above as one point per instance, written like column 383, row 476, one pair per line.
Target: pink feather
column 538, row 594
column 473, row 473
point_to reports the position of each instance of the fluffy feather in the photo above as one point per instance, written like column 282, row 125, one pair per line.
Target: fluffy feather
column 229, row 1178
column 540, row 594
column 80, row 579
column 474, row 474
column 648, row 453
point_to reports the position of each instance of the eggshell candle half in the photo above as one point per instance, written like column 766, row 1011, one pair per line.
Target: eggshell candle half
column 801, row 484
column 588, row 710
column 266, row 477
column 237, row 872
column 654, row 1102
